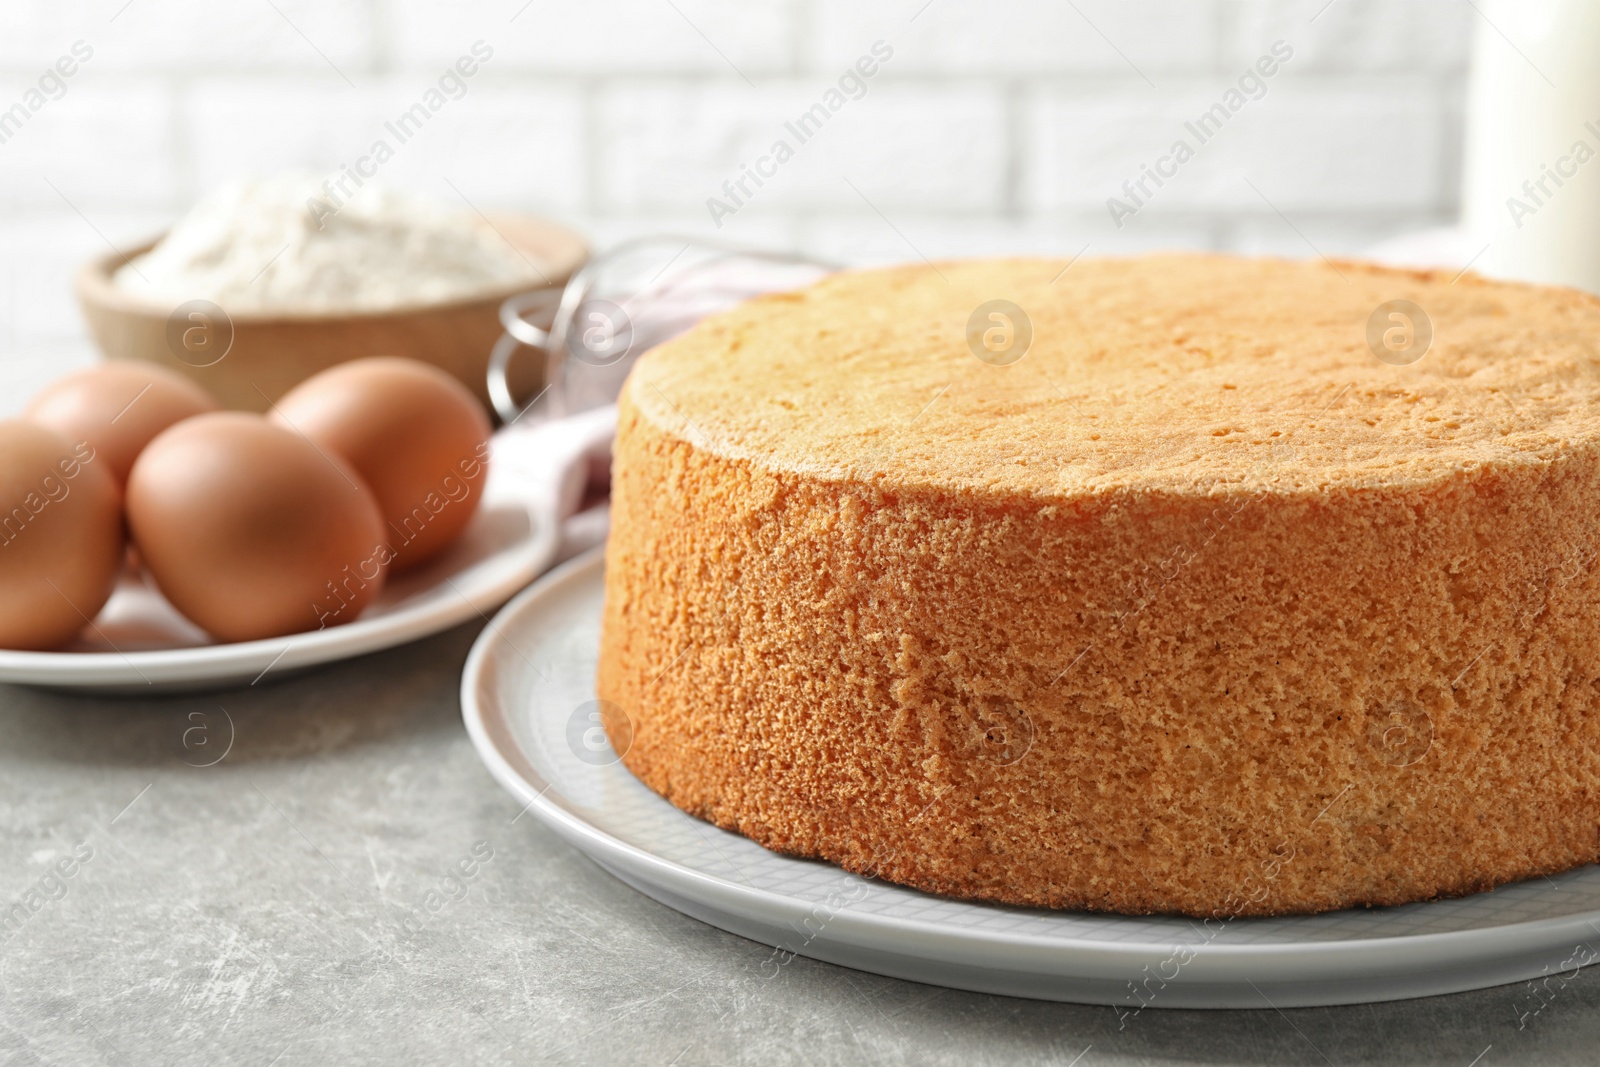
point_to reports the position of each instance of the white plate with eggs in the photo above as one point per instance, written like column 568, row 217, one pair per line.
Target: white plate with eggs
column 140, row 644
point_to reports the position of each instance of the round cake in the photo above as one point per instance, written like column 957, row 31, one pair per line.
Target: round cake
column 1186, row 584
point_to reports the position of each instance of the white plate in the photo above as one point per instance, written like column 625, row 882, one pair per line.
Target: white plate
column 523, row 695
column 140, row 644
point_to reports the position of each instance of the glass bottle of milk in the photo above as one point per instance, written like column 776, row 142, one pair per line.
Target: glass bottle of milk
column 1532, row 176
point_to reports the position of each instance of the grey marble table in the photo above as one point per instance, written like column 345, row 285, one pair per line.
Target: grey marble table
column 346, row 885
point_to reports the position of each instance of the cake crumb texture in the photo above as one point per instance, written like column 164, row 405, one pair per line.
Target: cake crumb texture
column 1199, row 607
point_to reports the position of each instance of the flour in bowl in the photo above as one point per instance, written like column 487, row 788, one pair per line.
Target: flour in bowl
column 272, row 244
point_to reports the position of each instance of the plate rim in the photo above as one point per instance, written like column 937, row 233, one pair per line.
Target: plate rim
column 202, row 663
column 1351, row 958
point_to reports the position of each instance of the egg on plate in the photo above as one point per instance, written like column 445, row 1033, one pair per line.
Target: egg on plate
column 61, row 540
column 412, row 432
column 253, row 531
column 118, row 408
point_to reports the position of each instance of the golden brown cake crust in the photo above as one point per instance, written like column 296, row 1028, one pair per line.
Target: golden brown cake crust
column 1199, row 607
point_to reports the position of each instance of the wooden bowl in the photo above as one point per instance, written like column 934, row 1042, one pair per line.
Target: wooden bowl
column 248, row 359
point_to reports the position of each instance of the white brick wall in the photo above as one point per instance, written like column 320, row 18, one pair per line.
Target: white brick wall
column 1307, row 145
column 998, row 125
column 924, row 147
column 502, row 145
column 178, row 37
column 1350, row 36
column 599, row 40
column 1025, row 38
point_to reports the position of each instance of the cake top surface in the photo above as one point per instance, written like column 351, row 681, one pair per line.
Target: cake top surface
column 1169, row 373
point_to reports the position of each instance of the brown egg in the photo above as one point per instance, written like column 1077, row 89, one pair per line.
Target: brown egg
column 251, row 531
column 118, row 408
column 60, row 536
column 415, row 434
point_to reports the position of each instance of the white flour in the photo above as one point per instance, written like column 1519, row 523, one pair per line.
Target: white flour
column 255, row 245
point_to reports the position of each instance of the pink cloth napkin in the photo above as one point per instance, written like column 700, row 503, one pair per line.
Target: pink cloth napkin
column 568, row 459
column 567, row 465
